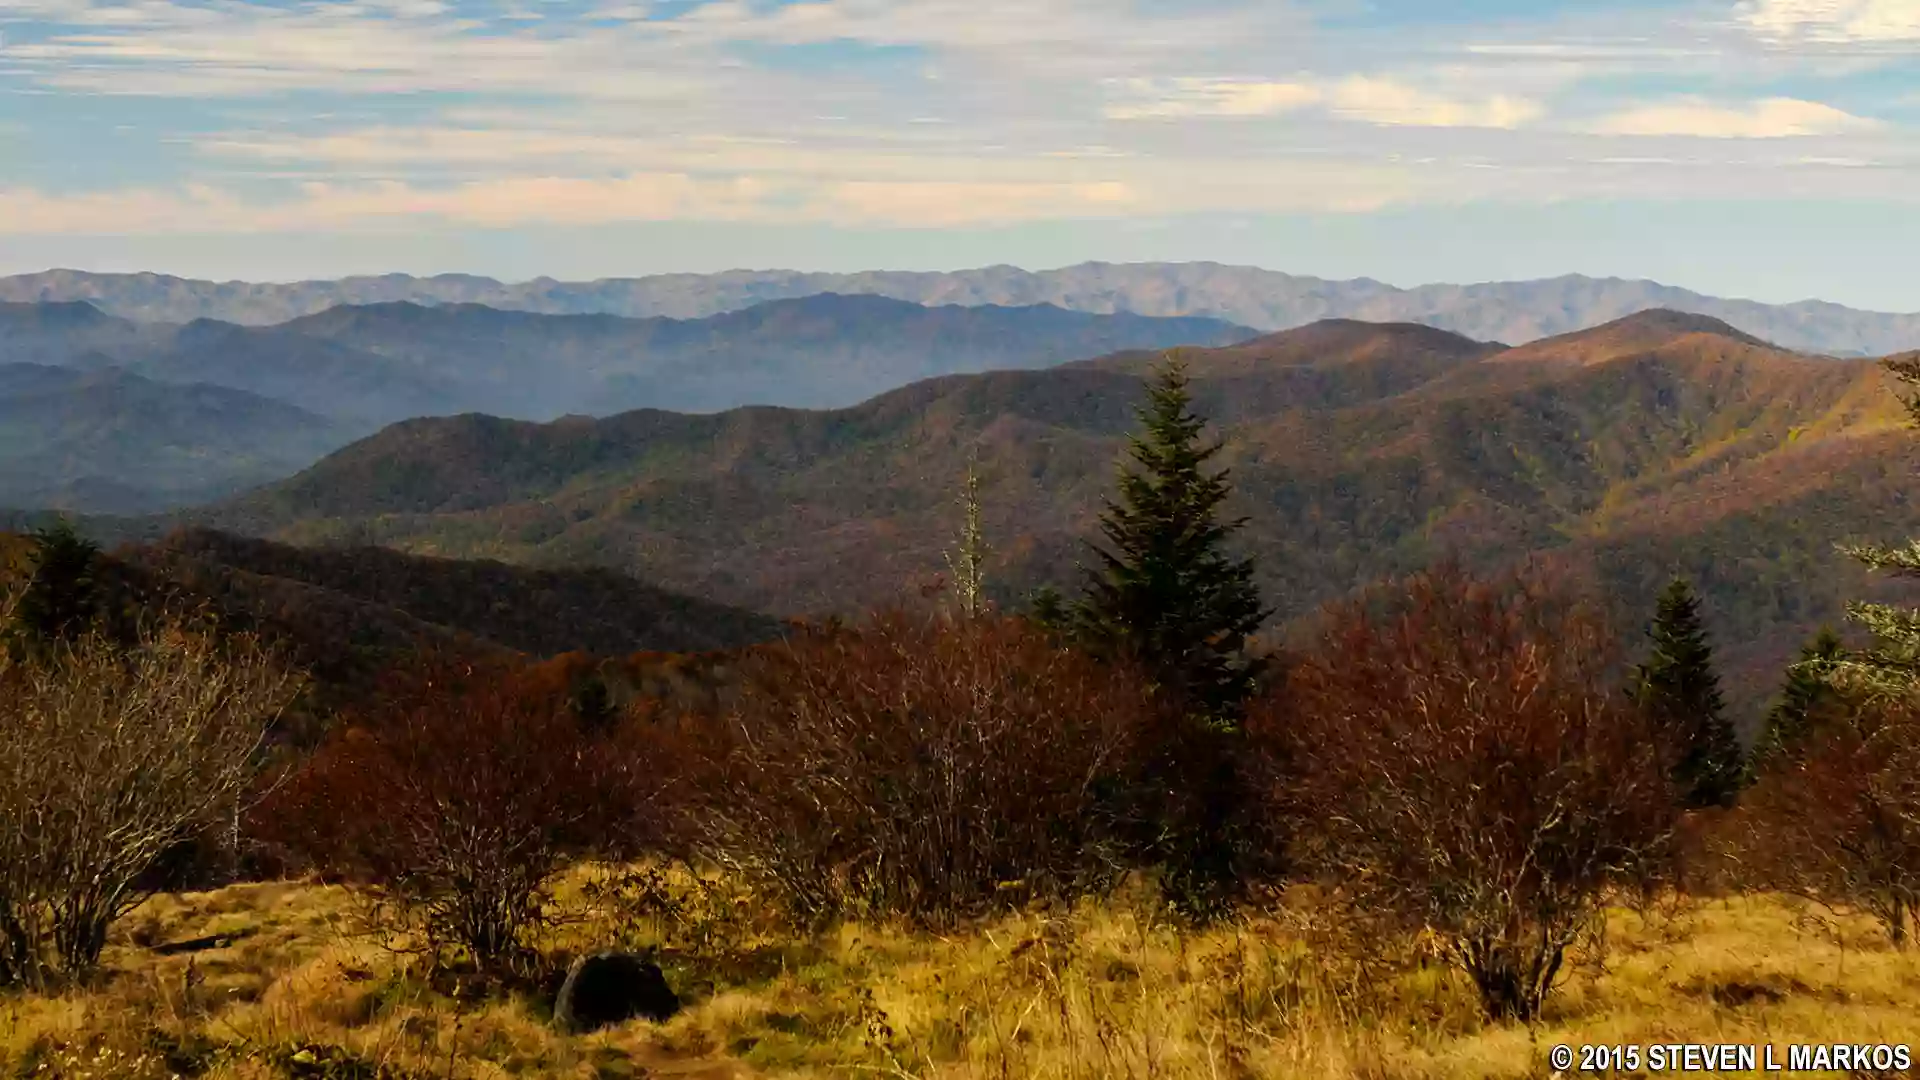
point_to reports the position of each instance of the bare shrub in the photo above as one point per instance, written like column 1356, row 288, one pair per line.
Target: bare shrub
column 110, row 757
column 455, row 797
column 1457, row 757
column 921, row 768
column 1836, row 815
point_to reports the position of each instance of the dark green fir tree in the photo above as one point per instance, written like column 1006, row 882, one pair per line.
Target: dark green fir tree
column 1166, row 593
column 1679, row 686
column 61, row 598
column 1167, row 596
column 1808, row 690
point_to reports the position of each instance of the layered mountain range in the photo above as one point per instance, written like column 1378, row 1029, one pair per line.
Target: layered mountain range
column 1510, row 311
column 106, row 414
column 804, row 455
column 1662, row 443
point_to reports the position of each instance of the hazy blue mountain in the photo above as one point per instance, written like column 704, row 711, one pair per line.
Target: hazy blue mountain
column 153, row 430
column 1512, row 311
column 371, row 365
column 110, row 441
column 70, row 333
column 820, row 351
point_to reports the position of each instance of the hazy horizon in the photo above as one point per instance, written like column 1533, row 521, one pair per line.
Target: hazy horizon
column 834, row 268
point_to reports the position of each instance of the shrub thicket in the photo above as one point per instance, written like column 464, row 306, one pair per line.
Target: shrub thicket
column 1835, row 813
column 1458, row 759
column 922, row 768
column 456, row 797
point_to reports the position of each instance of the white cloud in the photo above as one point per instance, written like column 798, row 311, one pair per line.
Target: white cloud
column 1211, row 97
column 1833, row 21
column 1384, row 101
column 1395, row 104
column 1772, row 118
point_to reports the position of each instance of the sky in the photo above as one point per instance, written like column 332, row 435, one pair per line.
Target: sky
column 1757, row 148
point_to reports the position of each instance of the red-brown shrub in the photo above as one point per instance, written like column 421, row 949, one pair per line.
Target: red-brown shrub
column 923, row 768
column 1837, row 816
column 456, row 796
column 1456, row 756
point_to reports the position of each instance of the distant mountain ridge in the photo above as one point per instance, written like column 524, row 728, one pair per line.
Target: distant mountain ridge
column 1511, row 311
column 351, row 370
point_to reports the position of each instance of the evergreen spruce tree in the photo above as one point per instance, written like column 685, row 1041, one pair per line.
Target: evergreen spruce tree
column 1807, row 689
column 60, row 601
column 1679, row 685
column 1167, row 595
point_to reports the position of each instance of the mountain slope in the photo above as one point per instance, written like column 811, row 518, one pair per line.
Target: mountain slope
column 68, row 333
column 345, row 615
column 535, row 611
column 1653, row 446
column 353, row 386
column 109, row 441
column 1513, row 311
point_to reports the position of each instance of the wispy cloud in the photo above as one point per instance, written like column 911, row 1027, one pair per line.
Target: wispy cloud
column 1385, row 101
column 554, row 201
column 1372, row 99
column 1773, row 118
column 1833, row 21
column 1183, row 97
column 1055, row 188
column 240, row 50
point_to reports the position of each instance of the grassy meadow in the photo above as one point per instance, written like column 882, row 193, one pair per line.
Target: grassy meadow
column 302, row 986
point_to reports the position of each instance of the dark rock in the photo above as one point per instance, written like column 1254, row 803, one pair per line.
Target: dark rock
column 201, row 944
column 610, row 987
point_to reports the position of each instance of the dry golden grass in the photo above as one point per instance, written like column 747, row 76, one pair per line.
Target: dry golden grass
column 1109, row 990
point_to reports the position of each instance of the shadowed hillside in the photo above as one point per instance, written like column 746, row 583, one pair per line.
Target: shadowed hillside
column 346, row 613
column 535, row 611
